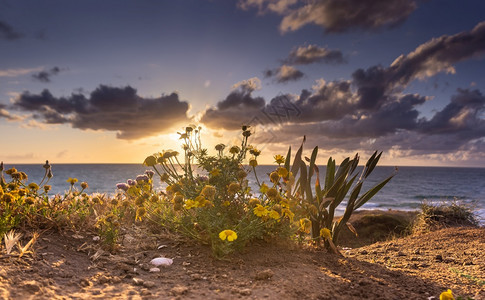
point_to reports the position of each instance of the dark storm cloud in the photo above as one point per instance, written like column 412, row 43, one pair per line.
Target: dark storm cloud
column 45, row 76
column 284, row 74
column 313, row 54
column 463, row 115
column 336, row 15
column 8, row 33
column 237, row 109
column 108, row 108
column 372, row 111
column 438, row 55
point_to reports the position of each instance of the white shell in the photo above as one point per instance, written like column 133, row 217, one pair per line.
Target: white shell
column 161, row 261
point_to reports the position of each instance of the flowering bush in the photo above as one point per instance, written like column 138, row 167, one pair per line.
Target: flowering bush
column 208, row 197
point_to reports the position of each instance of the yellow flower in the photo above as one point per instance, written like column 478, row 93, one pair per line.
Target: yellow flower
column 84, row 185
column 283, row 172
column 189, row 203
column 272, row 193
column 274, row 214
column 325, row 233
column 448, row 295
column 274, row 177
column 140, row 212
column 233, row 188
column 215, row 172
column 234, row 150
column 288, row 213
column 209, row 191
column 264, row 188
column 254, row 202
column 226, row 203
column 305, row 225
column 150, row 161
column 228, row 234
column 72, row 181
column 253, row 162
column 279, row 159
column 260, row 210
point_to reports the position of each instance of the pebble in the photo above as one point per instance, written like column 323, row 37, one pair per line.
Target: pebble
column 245, row 292
column 263, row 275
column 179, row 290
column 154, row 270
column 138, row 281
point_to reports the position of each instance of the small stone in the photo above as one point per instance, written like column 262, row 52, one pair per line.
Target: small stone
column 145, row 293
column 149, row 284
column 439, row 257
column 137, row 281
column 84, row 282
column 179, row 290
column 96, row 238
column 154, row 270
column 31, row 286
column 195, row 276
column 263, row 275
column 245, row 292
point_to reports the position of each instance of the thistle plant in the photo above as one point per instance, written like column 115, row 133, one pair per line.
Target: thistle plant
column 320, row 200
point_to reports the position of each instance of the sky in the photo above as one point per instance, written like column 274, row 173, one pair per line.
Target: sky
column 114, row 81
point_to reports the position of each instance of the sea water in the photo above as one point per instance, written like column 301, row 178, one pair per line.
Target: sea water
column 410, row 187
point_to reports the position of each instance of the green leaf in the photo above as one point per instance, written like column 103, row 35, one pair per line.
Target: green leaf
column 288, row 158
column 371, row 164
column 329, row 177
column 370, row 193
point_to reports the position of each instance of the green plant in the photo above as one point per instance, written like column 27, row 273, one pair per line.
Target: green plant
column 319, row 202
column 208, row 197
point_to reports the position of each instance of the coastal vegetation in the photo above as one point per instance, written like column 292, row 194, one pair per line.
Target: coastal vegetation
column 207, row 199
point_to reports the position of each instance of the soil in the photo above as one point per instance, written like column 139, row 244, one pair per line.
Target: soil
column 417, row 266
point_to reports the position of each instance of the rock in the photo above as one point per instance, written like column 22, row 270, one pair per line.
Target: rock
column 154, row 270
column 31, row 287
column 179, row 290
column 149, row 284
column 245, row 292
column 263, row 275
column 138, row 281
column 438, row 257
column 161, row 261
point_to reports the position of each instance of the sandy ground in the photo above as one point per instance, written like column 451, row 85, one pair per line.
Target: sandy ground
column 71, row 266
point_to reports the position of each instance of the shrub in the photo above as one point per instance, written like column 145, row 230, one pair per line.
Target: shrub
column 208, row 197
column 435, row 216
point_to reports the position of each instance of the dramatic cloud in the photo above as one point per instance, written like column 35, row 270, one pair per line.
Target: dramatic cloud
column 438, row 55
column 7, row 115
column 8, row 33
column 237, row 109
column 463, row 115
column 45, row 76
column 335, row 15
column 313, row 54
column 284, row 74
column 372, row 110
column 108, row 108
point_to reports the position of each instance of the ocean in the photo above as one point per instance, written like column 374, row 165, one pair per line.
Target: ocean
column 406, row 191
